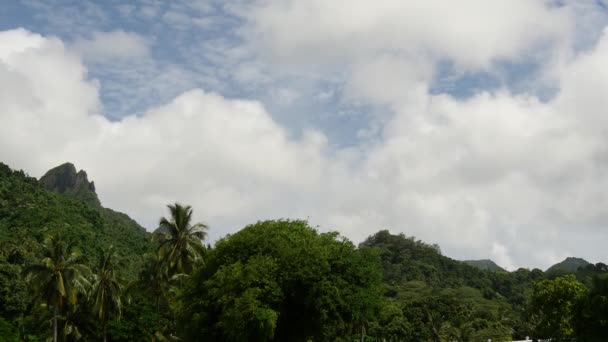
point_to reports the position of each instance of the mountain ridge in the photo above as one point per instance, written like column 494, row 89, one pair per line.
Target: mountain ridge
column 67, row 181
column 485, row 264
column 568, row 265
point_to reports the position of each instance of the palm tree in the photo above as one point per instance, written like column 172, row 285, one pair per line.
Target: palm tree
column 17, row 251
column 59, row 277
column 154, row 281
column 180, row 240
column 107, row 289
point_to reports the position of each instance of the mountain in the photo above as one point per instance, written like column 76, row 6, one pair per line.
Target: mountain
column 569, row 265
column 65, row 180
column 484, row 264
column 64, row 203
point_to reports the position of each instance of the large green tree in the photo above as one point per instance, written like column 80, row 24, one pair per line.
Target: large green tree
column 13, row 296
column 155, row 284
column 592, row 320
column 553, row 307
column 283, row 281
column 107, row 290
column 180, row 241
column 59, row 276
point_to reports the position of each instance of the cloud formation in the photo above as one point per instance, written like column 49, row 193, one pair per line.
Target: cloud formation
column 472, row 33
column 497, row 174
column 109, row 46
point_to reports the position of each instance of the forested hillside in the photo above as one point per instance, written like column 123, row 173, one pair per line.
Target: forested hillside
column 568, row 265
column 484, row 264
column 29, row 212
column 72, row 270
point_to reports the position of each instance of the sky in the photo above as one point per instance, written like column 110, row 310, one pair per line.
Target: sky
column 477, row 125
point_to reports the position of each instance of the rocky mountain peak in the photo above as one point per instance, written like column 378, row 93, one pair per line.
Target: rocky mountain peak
column 65, row 179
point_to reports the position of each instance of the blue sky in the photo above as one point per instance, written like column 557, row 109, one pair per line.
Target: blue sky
column 476, row 125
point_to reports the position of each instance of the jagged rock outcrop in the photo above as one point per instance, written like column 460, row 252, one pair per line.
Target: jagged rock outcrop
column 64, row 179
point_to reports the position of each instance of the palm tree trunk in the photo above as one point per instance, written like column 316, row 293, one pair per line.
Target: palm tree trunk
column 104, row 333
column 55, row 325
column 157, row 312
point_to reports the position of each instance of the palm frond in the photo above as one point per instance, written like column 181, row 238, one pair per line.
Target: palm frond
column 181, row 243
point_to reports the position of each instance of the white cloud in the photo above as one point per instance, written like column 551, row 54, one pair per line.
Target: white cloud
column 125, row 10
column 389, row 80
column 190, row 15
column 177, row 19
column 472, row 33
column 158, row 155
column 500, row 255
column 109, row 46
column 494, row 175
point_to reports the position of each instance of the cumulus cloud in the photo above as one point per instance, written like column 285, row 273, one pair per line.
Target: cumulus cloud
column 497, row 174
column 108, row 46
column 200, row 148
column 472, row 33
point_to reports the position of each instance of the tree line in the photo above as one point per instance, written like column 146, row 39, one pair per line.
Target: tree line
column 284, row 281
column 70, row 271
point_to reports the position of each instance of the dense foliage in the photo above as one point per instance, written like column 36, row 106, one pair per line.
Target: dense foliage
column 30, row 218
column 282, row 280
column 484, row 264
column 75, row 270
column 570, row 265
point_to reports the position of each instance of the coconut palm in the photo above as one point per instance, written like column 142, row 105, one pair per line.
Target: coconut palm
column 180, row 240
column 59, row 277
column 107, row 290
column 154, row 282
column 16, row 252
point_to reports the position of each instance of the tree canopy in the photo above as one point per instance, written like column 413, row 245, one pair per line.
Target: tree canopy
column 95, row 274
column 282, row 280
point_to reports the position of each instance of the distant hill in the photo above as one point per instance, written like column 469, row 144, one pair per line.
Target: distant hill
column 64, row 202
column 569, row 265
column 484, row 264
column 412, row 268
column 406, row 259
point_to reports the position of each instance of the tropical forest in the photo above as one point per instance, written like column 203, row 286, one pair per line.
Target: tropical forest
column 72, row 270
column 303, row 171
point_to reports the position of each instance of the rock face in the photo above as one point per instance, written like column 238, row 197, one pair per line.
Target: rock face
column 64, row 179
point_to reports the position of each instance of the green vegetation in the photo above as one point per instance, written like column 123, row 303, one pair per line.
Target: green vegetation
column 484, row 264
column 554, row 305
column 180, row 242
column 281, row 280
column 58, row 278
column 106, row 290
column 569, row 265
column 71, row 270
